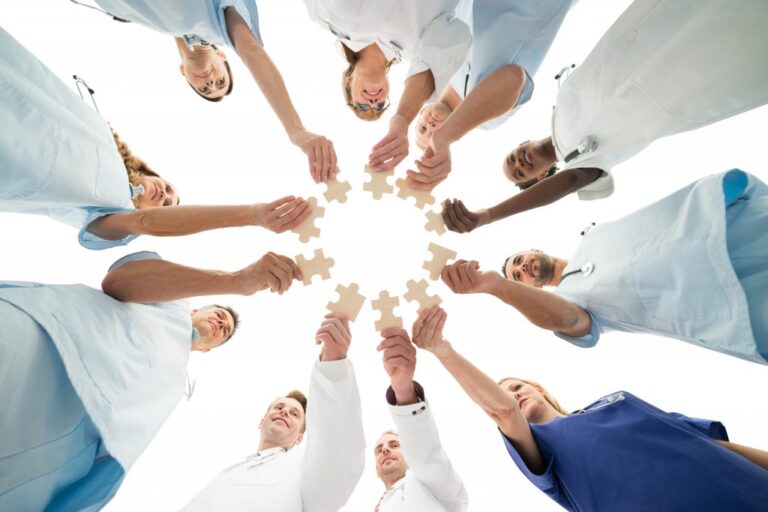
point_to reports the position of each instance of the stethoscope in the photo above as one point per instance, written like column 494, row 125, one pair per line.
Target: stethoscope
column 588, row 267
column 257, row 459
column 588, row 144
column 603, row 402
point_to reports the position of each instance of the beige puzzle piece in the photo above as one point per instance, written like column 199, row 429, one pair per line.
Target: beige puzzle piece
column 386, row 305
column 307, row 229
column 350, row 301
column 440, row 258
column 336, row 190
column 317, row 266
column 418, row 292
column 422, row 197
column 435, row 222
column 378, row 186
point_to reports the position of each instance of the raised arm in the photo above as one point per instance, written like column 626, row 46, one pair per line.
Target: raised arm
column 416, row 427
column 460, row 219
column 278, row 216
column 335, row 453
column 542, row 308
column 156, row 280
column 393, row 148
column 319, row 150
column 493, row 96
column 759, row 457
column 498, row 404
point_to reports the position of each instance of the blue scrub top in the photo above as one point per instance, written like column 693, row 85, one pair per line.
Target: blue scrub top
column 196, row 21
column 623, row 454
column 507, row 32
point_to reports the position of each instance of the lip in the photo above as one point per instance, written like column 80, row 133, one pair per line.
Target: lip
column 214, row 328
column 372, row 94
column 283, row 420
column 388, row 459
column 155, row 192
column 521, row 402
column 526, row 159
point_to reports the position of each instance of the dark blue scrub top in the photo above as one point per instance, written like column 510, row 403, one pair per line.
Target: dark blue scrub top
column 622, row 454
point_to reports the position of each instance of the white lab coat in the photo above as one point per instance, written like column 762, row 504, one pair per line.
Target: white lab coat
column 316, row 476
column 423, row 32
column 430, row 484
column 664, row 67
column 672, row 275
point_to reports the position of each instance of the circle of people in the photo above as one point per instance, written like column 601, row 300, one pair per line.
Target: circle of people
column 472, row 65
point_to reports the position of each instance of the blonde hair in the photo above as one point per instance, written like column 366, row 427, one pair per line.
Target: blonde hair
column 299, row 397
column 549, row 398
column 346, row 88
column 134, row 166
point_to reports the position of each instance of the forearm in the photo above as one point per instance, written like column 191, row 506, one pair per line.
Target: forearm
column 545, row 192
column 418, row 89
column 493, row 96
column 754, row 455
column 265, row 73
column 173, row 220
column 151, row 281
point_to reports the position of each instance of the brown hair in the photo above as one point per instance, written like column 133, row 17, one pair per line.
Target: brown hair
column 299, row 397
column 229, row 89
column 549, row 398
column 346, row 79
column 134, row 166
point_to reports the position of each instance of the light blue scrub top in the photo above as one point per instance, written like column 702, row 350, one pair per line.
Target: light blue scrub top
column 196, row 21
column 623, row 454
column 57, row 155
column 673, row 276
column 126, row 361
column 507, row 32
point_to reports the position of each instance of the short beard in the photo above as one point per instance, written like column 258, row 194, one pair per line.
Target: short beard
column 546, row 269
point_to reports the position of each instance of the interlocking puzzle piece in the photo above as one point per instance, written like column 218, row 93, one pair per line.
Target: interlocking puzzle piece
column 336, row 190
column 378, row 186
column 349, row 303
column 440, row 258
column 418, row 292
column 435, row 222
column 307, row 229
column 386, row 306
column 317, row 266
column 422, row 197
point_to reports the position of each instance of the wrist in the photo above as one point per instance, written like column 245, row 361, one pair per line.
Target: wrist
column 443, row 351
column 405, row 394
column 294, row 131
column 253, row 215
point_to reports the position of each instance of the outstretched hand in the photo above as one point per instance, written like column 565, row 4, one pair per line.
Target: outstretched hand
column 334, row 336
column 458, row 218
column 272, row 271
column 466, row 277
column 434, row 165
column 428, row 330
column 320, row 154
column 399, row 357
column 393, row 148
column 283, row 214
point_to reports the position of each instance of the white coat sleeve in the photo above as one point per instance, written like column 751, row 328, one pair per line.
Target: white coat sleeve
column 334, row 455
column 442, row 48
column 420, row 443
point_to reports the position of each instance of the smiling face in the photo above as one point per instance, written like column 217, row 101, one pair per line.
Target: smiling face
column 390, row 464
column 157, row 192
column 431, row 117
column 283, row 424
column 215, row 326
column 534, row 268
column 207, row 72
column 531, row 399
column 528, row 162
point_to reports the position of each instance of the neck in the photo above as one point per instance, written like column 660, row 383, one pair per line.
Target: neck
column 266, row 444
column 548, row 150
column 389, row 481
column 557, row 271
column 189, row 55
column 371, row 57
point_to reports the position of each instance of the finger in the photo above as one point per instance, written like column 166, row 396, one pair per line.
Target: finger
column 386, row 150
column 335, row 336
column 418, row 325
column 295, row 216
column 324, row 162
column 282, row 276
column 334, row 169
column 394, row 331
column 393, row 341
column 283, row 208
column 317, row 157
column 291, row 267
column 280, row 202
column 339, row 330
column 383, row 142
column 311, row 162
column 406, row 352
column 453, row 219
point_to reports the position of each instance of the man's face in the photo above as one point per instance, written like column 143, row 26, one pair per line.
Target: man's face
column 389, row 458
column 215, row 326
column 207, row 73
column 283, row 422
column 533, row 268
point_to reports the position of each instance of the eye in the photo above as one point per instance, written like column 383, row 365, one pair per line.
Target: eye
column 517, row 387
column 422, row 129
column 516, row 276
column 517, row 260
column 295, row 413
column 220, row 83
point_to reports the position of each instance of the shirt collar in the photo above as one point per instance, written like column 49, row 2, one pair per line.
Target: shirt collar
column 391, row 50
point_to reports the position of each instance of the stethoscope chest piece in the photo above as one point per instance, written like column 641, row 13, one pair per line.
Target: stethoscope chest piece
column 588, row 268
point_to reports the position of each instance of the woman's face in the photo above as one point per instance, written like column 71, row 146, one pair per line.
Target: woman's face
column 527, row 162
column 431, row 117
column 157, row 192
column 206, row 72
column 530, row 399
column 369, row 88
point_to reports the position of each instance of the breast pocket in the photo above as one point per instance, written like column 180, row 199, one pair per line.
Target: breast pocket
column 677, row 281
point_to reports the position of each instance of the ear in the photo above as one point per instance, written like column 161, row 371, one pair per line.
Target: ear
column 194, row 312
column 298, row 439
column 220, row 54
column 182, row 70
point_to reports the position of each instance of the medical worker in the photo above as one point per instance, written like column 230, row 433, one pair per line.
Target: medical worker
column 692, row 266
column 373, row 36
column 411, row 462
column 59, row 158
column 664, row 67
column 198, row 27
column 619, row 453
column 289, row 473
column 510, row 39
column 87, row 381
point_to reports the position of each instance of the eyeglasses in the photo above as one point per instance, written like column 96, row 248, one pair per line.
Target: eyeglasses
column 363, row 107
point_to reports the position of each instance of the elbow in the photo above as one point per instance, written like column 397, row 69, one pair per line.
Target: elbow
column 574, row 322
column 112, row 285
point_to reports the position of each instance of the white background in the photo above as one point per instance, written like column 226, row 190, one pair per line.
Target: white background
column 235, row 152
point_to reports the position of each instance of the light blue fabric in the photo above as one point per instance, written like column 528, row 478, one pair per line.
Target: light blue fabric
column 57, row 155
column 694, row 268
column 507, row 32
column 122, row 368
column 202, row 19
